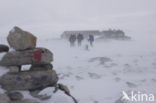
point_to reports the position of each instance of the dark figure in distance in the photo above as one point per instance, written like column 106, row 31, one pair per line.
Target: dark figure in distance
column 91, row 39
column 79, row 39
column 72, row 40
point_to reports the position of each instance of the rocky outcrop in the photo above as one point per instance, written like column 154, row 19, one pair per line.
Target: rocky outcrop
column 21, row 40
column 4, row 48
column 34, row 56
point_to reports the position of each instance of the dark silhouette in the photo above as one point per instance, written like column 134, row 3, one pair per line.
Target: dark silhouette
column 72, row 40
column 114, row 33
column 91, row 39
column 79, row 39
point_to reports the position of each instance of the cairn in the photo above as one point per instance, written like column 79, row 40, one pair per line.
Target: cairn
column 39, row 76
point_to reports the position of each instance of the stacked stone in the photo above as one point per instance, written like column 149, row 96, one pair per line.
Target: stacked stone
column 39, row 76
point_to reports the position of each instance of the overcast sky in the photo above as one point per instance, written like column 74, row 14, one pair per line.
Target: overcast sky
column 51, row 17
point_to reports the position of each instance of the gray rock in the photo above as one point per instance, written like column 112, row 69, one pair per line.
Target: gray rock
column 4, row 98
column 21, row 40
column 34, row 56
column 14, row 69
column 64, row 88
column 4, row 48
column 66, row 91
column 15, row 96
column 28, row 80
column 26, row 101
column 41, row 67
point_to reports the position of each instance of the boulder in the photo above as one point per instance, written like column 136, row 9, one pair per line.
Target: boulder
column 21, row 40
column 34, row 56
column 26, row 101
column 4, row 98
column 4, row 48
column 28, row 80
column 15, row 96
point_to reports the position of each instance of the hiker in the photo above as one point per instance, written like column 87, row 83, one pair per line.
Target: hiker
column 72, row 40
column 91, row 39
column 79, row 39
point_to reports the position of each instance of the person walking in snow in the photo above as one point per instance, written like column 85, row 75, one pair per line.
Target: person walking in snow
column 91, row 39
column 79, row 39
column 72, row 40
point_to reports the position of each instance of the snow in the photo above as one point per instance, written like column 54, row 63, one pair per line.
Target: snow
column 132, row 66
column 12, row 30
column 47, row 91
column 126, row 66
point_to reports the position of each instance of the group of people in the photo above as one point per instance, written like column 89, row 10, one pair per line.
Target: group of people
column 79, row 38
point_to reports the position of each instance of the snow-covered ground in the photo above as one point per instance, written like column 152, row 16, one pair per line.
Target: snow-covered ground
column 102, row 73
column 109, row 67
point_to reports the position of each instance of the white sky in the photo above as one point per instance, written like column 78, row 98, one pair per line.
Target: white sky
column 52, row 17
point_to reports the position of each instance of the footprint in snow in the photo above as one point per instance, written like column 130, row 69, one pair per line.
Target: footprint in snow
column 154, row 80
column 95, row 102
column 117, row 79
column 131, row 85
column 154, row 64
column 78, row 77
column 64, row 75
column 94, row 76
column 101, row 60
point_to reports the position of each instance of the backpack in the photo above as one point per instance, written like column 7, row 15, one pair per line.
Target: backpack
column 91, row 37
